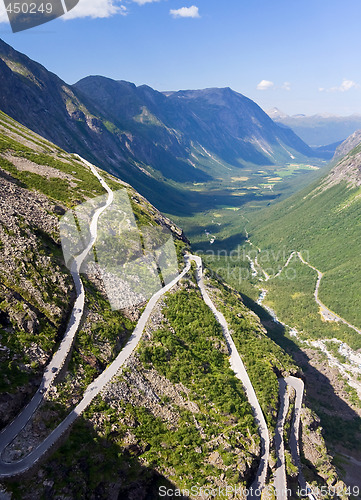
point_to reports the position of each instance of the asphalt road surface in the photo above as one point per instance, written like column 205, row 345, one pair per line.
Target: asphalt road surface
column 241, row 373
column 10, row 469
column 12, row 430
column 298, row 385
column 280, row 481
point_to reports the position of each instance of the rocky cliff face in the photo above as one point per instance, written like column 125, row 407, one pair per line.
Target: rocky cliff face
column 346, row 146
column 348, row 166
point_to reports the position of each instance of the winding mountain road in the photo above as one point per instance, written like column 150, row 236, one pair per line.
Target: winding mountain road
column 241, row 373
column 280, row 481
column 325, row 311
column 327, row 314
column 51, row 371
column 298, row 386
column 11, row 431
column 8, row 469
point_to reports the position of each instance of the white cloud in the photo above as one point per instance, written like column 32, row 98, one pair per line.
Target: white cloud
column 96, row 9
column 265, row 85
column 185, row 12
column 3, row 15
column 85, row 8
column 345, row 86
column 89, row 8
column 286, row 86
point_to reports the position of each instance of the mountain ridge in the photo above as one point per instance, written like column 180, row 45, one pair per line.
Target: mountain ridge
column 217, row 102
column 159, row 143
column 347, row 145
column 320, row 129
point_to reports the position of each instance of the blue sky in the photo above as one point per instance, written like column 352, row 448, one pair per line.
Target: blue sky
column 300, row 56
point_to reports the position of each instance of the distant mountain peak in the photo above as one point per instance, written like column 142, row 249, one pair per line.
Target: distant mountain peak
column 321, row 129
column 348, row 145
column 275, row 113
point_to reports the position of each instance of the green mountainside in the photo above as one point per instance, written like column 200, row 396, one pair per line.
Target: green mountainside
column 176, row 415
column 324, row 223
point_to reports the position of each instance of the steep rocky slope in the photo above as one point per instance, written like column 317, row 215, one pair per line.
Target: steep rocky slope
column 347, row 145
column 176, row 415
column 38, row 182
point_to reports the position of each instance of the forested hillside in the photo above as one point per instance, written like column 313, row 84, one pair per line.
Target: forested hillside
column 324, row 223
